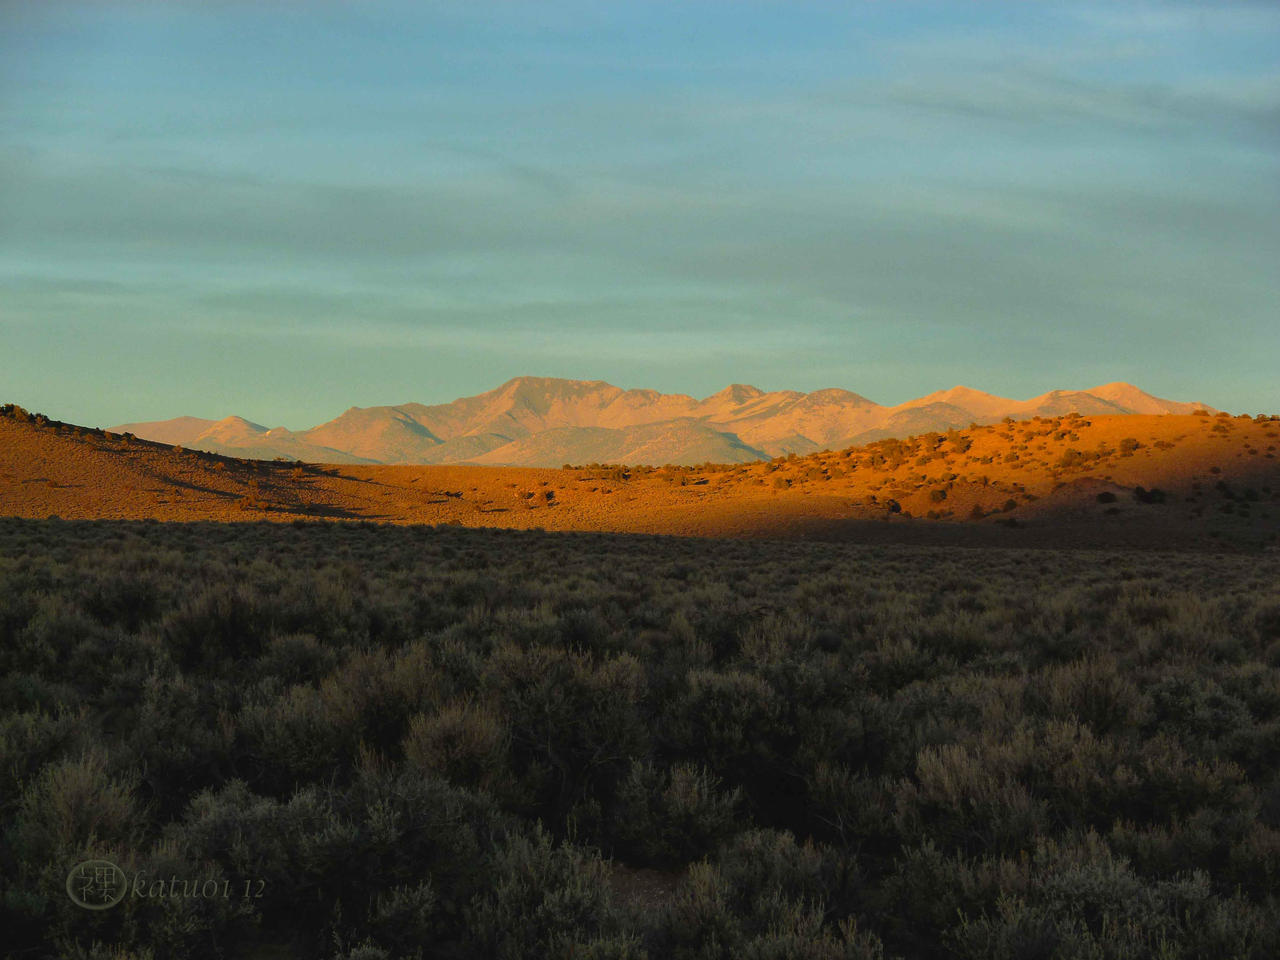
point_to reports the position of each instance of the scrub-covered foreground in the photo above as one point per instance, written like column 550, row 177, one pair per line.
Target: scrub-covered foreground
column 436, row 742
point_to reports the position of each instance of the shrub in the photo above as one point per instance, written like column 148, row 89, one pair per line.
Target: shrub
column 729, row 718
column 464, row 743
column 1085, row 902
column 545, row 900
column 74, row 806
column 569, row 716
column 293, row 739
column 384, row 835
column 969, row 801
column 218, row 622
column 669, row 817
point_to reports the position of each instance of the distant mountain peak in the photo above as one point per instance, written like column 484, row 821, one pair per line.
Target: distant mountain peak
column 1138, row 400
column 547, row 421
column 240, row 422
column 551, row 384
column 839, row 395
column 738, row 393
column 1119, row 389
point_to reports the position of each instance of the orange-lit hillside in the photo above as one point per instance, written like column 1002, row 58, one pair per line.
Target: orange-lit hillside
column 1201, row 478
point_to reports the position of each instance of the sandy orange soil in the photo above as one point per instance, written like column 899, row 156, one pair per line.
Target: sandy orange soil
column 1044, row 481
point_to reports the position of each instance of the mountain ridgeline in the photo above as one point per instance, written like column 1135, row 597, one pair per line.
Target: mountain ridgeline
column 543, row 421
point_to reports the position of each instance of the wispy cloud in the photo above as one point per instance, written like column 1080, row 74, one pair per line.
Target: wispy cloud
column 1037, row 98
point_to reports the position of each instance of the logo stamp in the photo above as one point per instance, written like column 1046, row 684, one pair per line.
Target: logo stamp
column 100, row 885
column 97, row 884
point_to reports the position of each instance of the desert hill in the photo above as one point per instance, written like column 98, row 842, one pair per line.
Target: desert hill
column 1134, row 480
column 543, row 421
column 237, row 437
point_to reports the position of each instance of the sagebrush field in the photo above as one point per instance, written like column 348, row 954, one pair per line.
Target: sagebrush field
column 439, row 742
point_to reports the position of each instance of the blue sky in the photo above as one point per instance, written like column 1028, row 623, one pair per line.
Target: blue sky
column 281, row 209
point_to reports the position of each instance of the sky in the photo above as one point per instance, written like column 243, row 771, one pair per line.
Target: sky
column 281, row 209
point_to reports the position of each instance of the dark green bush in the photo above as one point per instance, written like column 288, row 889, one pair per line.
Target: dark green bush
column 671, row 816
column 545, row 899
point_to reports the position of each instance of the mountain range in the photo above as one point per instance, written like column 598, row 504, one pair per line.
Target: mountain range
column 543, row 421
